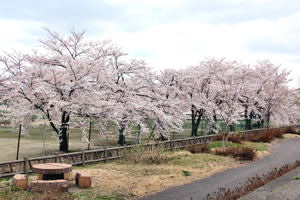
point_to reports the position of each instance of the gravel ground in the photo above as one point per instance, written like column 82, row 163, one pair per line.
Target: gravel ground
column 282, row 152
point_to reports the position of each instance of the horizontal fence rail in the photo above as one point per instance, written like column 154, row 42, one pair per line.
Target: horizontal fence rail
column 11, row 168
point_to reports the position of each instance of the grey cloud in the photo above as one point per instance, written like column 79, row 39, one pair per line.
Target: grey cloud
column 83, row 14
column 229, row 12
column 56, row 12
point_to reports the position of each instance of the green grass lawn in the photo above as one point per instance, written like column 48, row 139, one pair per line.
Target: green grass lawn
column 258, row 146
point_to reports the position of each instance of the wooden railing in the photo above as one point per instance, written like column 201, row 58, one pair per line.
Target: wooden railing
column 11, row 168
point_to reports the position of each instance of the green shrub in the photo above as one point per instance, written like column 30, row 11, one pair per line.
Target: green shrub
column 217, row 144
column 14, row 188
column 186, row 173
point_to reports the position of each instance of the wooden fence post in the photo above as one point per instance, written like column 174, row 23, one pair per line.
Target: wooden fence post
column 90, row 132
column 105, row 154
column 57, row 159
column 19, row 138
column 83, row 157
column 26, row 165
column 125, row 151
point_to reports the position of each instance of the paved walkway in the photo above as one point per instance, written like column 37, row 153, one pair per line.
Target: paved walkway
column 282, row 188
column 282, row 152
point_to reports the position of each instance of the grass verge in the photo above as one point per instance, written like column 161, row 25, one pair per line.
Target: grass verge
column 140, row 173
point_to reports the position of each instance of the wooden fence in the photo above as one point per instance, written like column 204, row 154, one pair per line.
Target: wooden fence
column 11, row 168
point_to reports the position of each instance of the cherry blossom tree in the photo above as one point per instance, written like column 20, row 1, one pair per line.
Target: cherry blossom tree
column 228, row 79
column 146, row 96
column 168, row 106
column 64, row 78
column 199, row 87
column 249, row 97
column 70, row 76
column 276, row 101
column 125, row 91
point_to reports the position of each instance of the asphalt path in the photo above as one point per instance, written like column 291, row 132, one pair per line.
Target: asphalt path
column 286, row 187
column 282, row 152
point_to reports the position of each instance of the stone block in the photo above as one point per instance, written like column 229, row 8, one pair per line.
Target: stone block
column 67, row 176
column 46, row 185
column 83, row 180
column 20, row 181
column 40, row 176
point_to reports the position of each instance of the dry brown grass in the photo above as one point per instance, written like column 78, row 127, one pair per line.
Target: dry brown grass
column 200, row 148
column 240, row 153
column 30, row 147
column 290, row 135
column 137, row 180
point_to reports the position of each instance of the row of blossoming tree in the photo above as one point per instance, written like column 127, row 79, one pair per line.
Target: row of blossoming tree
column 69, row 76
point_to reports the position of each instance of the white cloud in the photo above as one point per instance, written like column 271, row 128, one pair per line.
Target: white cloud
column 18, row 35
column 180, row 33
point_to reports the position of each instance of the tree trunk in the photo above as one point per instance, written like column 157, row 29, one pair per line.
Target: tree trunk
column 248, row 125
column 247, row 119
column 138, row 135
column 261, row 123
column 121, row 140
column 225, row 136
column 268, row 116
column 196, row 119
column 63, row 138
column 162, row 137
column 231, row 127
column 63, row 133
column 194, row 128
column 214, row 124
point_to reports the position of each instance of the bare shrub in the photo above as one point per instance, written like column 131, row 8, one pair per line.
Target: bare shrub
column 199, row 148
column 278, row 133
column 264, row 136
column 218, row 137
column 243, row 153
column 267, row 135
column 225, row 151
column 141, row 154
column 236, row 138
column 291, row 130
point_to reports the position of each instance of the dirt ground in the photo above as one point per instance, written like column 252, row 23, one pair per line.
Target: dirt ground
column 29, row 147
column 133, row 181
column 137, row 180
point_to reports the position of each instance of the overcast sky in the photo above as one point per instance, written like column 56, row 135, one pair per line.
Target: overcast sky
column 166, row 33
